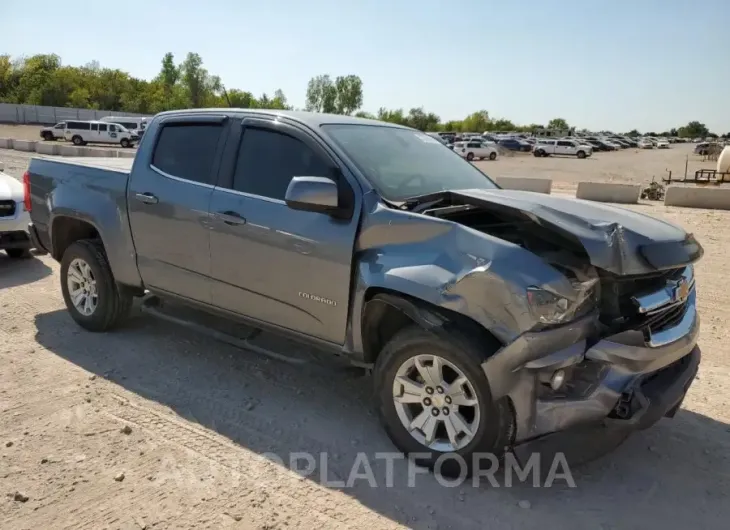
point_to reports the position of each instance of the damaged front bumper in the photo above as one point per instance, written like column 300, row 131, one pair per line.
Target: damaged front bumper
column 620, row 383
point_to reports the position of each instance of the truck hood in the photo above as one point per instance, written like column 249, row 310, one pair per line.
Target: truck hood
column 10, row 188
column 615, row 239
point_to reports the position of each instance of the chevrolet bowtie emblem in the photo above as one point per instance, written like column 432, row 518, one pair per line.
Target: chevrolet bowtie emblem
column 682, row 290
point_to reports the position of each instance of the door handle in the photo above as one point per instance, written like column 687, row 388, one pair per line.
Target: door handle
column 147, row 198
column 231, row 218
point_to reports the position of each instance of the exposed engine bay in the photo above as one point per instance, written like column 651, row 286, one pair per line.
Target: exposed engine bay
column 613, row 295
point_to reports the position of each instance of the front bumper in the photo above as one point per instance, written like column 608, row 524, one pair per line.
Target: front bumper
column 622, row 383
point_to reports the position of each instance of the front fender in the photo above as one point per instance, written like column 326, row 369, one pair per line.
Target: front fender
column 449, row 266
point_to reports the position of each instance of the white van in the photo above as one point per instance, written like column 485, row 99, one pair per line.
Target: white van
column 98, row 132
column 134, row 123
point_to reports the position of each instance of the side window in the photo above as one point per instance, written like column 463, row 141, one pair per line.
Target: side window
column 102, row 127
column 475, row 144
column 94, row 126
column 268, row 160
column 565, row 144
column 187, row 150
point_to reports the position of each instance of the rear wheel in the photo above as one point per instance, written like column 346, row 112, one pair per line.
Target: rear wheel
column 492, row 156
column 434, row 400
column 470, row 156
column 93, row 298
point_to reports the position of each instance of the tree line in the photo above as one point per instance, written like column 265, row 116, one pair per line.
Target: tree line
column 44, row 80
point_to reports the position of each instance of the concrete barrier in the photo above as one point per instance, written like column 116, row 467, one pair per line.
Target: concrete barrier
column 46, row 148
column 6, row 143
column 710, row 197
column 126, row 154
column 525, row 184
column 608, row 192
column 99, row 153
column 24, row 145
column 70, row 150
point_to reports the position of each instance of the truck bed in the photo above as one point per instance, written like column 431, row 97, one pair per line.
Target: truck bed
column 113, row 164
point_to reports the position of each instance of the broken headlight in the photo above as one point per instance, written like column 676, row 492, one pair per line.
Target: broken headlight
column 550, row 308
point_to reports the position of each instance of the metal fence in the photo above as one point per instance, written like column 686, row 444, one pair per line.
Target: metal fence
column 40, row 115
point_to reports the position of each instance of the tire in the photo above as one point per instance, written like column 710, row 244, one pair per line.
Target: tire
column 581, row 154
column 470, row 156
column 125, row 143
column 540, row 153
column 77, row 140
column 492, row 156
column 48, row 136
column 494, row 429
column 113, row 301
column 18, row 253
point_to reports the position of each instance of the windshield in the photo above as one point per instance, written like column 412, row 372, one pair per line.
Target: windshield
column 403, row 163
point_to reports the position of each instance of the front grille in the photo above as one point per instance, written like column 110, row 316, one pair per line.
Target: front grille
column 665, row 318
column 7, row 208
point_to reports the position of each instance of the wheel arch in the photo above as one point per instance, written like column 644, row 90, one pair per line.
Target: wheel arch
column 386, row 312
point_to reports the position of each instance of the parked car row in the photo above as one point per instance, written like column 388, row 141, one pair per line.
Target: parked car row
column 124, row 131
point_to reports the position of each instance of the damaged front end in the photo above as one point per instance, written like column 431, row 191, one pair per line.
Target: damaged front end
column 614, row 346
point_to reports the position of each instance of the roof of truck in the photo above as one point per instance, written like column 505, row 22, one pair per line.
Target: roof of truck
column 312, row 119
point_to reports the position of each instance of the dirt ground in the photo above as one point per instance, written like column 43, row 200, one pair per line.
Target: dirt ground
column 201, row 414
column 21, row 132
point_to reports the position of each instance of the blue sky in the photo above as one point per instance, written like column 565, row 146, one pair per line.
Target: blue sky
column 649, row 64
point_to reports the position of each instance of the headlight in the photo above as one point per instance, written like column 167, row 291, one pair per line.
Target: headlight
column 550, row 308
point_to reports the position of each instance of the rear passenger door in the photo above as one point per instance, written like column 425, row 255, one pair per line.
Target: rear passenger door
column 168, row 197
column 281, row 266
column 566, row 147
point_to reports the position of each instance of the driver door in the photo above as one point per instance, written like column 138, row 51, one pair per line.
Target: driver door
column 281, row 266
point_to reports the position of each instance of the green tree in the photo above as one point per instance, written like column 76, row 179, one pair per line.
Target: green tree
column 694, row 129
column 349, row 94
column 558, row 123
column 476, row 122
column 321, row 95
column 633, row 133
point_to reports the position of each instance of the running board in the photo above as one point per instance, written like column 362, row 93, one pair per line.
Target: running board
column 152, row 305
column 242, row 335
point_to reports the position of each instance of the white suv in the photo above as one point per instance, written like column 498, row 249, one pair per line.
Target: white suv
column 562, row 147
column 476, row 149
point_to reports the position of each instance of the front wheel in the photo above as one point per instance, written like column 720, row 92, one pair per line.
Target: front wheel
column 93, row 298
column 125, row 143
column 77, row 140
column 470, row 156
column 492, row 156
column 581, row 154
column 434, row 399
column 539, row 153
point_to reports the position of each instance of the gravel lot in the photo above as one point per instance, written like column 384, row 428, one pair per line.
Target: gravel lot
column 201, row 413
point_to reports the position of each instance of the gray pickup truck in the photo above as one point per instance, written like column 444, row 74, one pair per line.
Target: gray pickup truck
column 493, row 320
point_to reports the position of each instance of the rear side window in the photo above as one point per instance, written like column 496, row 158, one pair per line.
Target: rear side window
column 79, row 125
column 268, row 160
column 187, row 150
column 102, row 127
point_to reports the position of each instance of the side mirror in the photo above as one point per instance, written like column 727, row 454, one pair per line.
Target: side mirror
column 312, row 194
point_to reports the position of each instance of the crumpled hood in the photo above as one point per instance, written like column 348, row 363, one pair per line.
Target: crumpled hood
column 616, row 239
column 10, row 188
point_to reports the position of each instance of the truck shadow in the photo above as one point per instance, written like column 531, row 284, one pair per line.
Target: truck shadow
column 674, row 475
column 14, row 272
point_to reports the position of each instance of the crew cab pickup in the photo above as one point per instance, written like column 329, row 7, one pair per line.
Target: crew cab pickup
column 491, row 318
column 562, row 147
